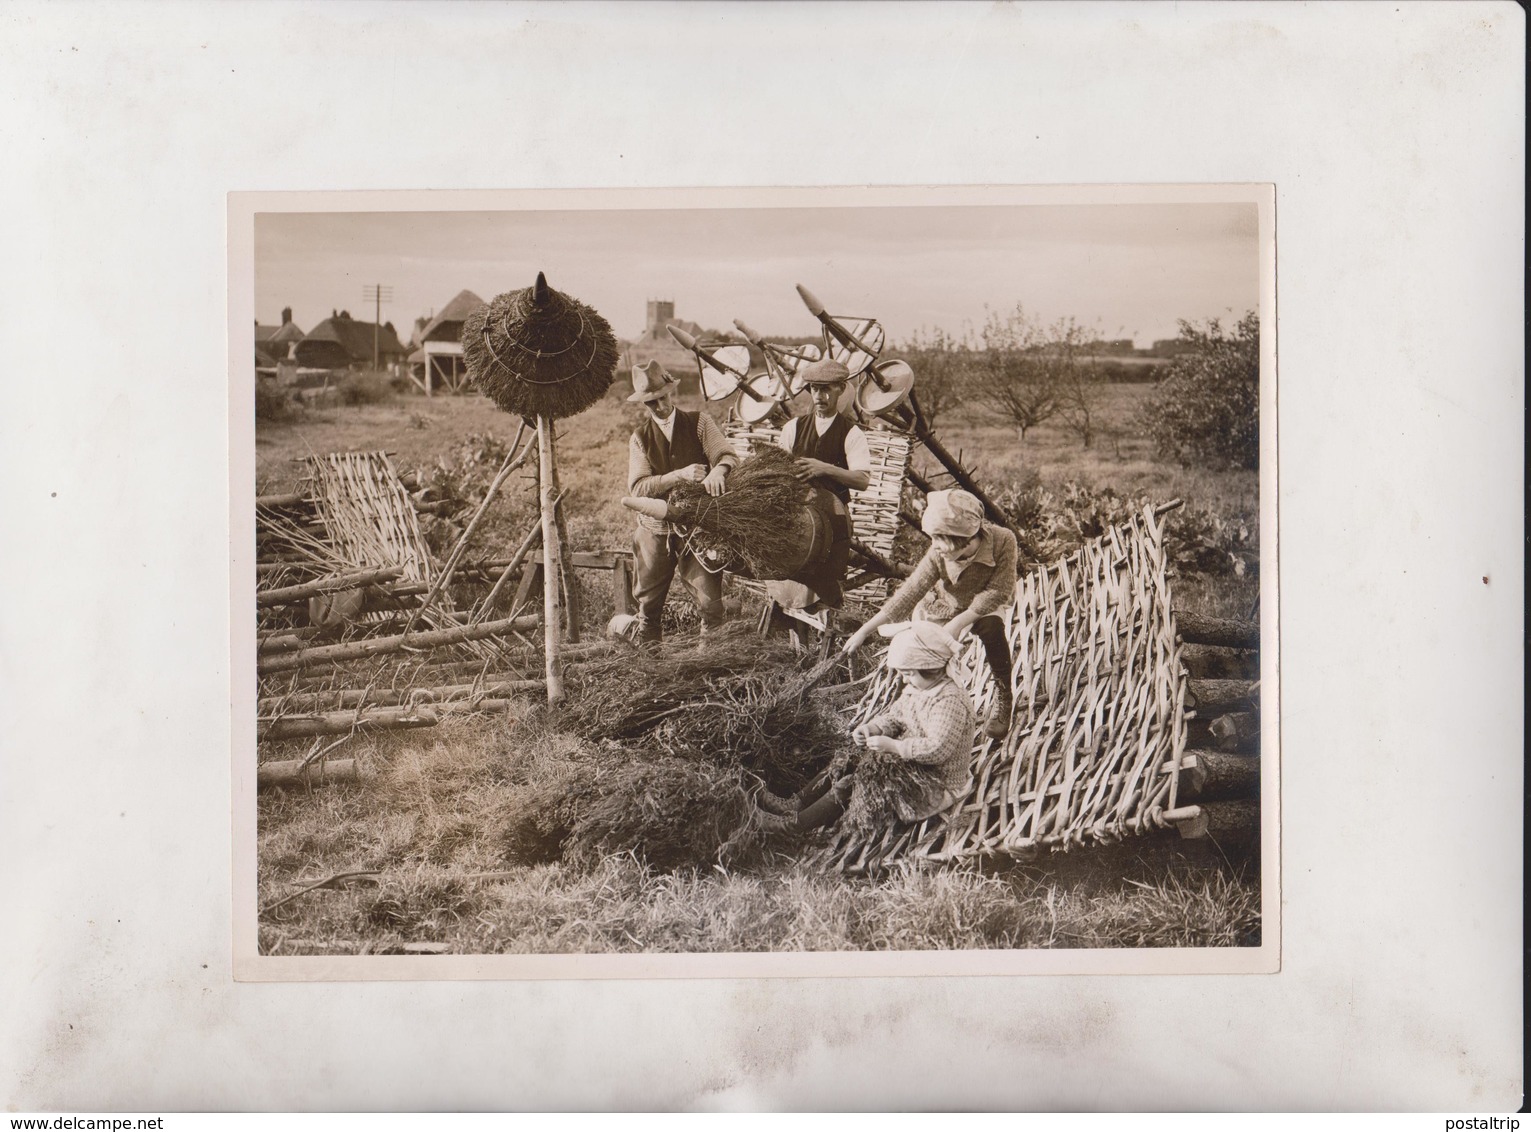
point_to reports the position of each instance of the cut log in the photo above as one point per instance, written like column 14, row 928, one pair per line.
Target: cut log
column 1209, row 776
column 1234, row 825
column 287, row 773
column 289, row 594
column 1211, row 698
column 289, row 499
column 353, row 650
column 1211, row 662
column 1194, row 629
column 493, row 687
column 1236, row 731
column 342, row 722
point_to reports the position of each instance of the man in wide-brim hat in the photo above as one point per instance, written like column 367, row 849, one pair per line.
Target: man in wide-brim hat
column 669, row 447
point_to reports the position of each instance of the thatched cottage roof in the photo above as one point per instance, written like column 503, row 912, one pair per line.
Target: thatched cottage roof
column 343, row 341
column 447, row 325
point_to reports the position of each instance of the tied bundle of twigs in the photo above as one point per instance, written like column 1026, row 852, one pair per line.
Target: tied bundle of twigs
column 539, row 352
column 762, row 520
column 734, row 701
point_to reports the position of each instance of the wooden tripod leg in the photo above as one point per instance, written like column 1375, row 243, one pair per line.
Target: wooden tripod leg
column 567, row 580
column 552, row 560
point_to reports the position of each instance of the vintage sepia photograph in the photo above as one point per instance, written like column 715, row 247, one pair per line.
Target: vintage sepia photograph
column 784, row 574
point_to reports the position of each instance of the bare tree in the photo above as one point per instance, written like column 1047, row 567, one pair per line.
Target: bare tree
column 1012, row 374
column 940, row 363
column 1079, row 397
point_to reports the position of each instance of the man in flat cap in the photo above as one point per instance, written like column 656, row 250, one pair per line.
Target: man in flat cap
column 671, row 446
column 831, row 449
column 832, row 458
column 965, row 579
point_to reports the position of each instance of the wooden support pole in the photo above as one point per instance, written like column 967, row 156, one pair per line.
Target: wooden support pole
column 552, row 559
column 513, row 460
column 341, row 722
column 509, row 567
column 287, row 595
column 621, row 586
column 1194, row 629
column 566, row 579
column 491, row 687
column 354, row 650
column 291, row 772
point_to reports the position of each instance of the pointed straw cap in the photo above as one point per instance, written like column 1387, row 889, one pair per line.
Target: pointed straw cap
column 539, row 352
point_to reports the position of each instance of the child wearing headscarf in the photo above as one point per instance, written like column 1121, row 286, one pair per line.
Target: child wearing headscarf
column 966, row 577
column 910, row 762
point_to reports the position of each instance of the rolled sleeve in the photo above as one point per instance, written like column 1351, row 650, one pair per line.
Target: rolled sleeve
column 720, row 453
column 858, row 455
column 641, row 480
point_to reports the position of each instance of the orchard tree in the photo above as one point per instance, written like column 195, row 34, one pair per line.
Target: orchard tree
column 1205, row 410
column 940, row 363
column 1028, row 373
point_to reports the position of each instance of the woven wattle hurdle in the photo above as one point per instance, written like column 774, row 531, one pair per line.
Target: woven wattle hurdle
column 874, row 512
column 1099, row 726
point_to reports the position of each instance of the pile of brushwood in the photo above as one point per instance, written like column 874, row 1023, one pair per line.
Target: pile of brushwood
column 661, row 756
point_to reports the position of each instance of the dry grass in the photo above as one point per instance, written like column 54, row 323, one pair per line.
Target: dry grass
column 443, row 817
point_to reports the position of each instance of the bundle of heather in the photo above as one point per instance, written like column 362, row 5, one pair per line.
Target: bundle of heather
column 669, row 812
column 763, row 522
column 734, row 701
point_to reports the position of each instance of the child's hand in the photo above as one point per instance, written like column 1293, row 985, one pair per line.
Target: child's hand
column 859, row 736
column 881, row 743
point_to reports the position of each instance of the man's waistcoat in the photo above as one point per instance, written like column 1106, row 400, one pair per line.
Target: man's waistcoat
column 830, row 448
column 682, row 449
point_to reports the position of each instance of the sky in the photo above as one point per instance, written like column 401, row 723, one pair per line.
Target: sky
column 1122, row 270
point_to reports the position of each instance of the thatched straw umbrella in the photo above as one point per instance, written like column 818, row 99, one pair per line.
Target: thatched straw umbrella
column 543, row 355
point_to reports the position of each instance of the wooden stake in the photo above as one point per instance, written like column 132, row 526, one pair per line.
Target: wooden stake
column 552, row 559
column 291, row 772
column 307, row 658
column 289, row 594
column 566, row 580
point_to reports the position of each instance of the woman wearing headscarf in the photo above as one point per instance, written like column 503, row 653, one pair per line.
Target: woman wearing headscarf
column 911, row 762
column 966, row 577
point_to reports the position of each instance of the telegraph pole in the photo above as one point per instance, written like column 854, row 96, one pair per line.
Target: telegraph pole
column 379, row 293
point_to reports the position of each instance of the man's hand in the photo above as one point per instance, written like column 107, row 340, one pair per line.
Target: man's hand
column 806, row 468
column 691, row 473
column 714, row 481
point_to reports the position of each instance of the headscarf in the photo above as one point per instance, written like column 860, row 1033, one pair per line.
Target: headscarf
column 921, row 644
column 956, row 513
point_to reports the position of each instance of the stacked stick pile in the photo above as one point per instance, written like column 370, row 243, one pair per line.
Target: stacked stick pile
column 1098, row 739
column 874, row 512
column 358, row 630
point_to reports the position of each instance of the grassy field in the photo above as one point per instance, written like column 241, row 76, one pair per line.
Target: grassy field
column 433, row 818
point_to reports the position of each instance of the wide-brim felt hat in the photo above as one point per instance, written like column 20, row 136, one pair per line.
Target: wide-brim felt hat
column 650, row 381
column 539, row 352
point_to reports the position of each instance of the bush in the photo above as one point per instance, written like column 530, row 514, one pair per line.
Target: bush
column 1206, row 410
column 364, row 389
column 273, row 404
